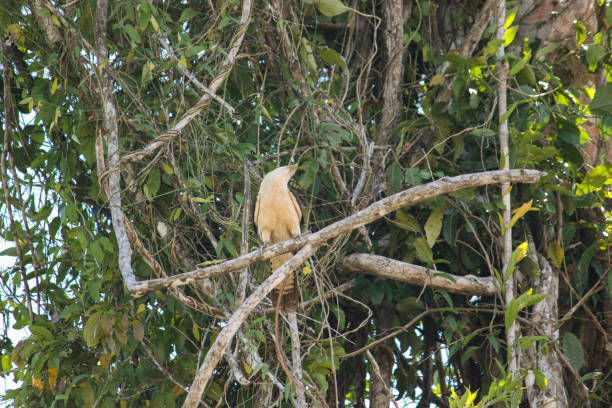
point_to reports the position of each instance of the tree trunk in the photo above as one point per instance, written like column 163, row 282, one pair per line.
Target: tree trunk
column 379, row 392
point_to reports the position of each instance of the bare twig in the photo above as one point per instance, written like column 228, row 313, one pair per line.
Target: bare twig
column 372, row 213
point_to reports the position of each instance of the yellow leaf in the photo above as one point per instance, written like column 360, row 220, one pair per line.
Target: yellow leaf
column 105, row 360
column 167, row 168
column 196, row 332
column 176, row 390
column 247, row 368
column 518, row 213
column 140, row 310
column 56, row 20
column 54, row 86
column 306, row 270
column 183, row 62
column 52, row 379
column 555, row 254
column 37, row 383
column 154, row 24
column 436, row 80
column 509, row 189
column 522, row 251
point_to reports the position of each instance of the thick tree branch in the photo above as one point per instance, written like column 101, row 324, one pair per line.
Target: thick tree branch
column 417, row 275
column 369, row 214
column 224, row 338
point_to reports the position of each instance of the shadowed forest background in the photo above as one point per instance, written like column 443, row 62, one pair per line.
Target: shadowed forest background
column 178, row 109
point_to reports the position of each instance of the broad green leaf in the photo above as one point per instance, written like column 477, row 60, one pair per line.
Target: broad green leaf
column 147, row 72
column 598, row 178
column 153, row 181
column 138, row 330
column 330, row 8
column 510, row 313
column 572, row 348
column 406, row 221
column 423, row 250
column 540, row 379
column 331, row 56
column 594, row 54
column 433, row 225
column 492, row 47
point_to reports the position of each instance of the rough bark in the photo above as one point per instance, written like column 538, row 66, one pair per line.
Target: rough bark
column 393, row 37
column 380, row 379
column 545, row 316
column 387, row 268
column 50, row 30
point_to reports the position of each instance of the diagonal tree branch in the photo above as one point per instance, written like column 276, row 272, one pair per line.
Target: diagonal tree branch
column 369, row 214
column 224, row 338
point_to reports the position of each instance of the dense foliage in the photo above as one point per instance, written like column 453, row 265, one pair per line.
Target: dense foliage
column 307, row 86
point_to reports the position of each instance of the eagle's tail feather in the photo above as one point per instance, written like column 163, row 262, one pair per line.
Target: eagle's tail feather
column 287, row 290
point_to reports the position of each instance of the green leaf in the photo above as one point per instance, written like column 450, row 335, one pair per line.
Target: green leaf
column 132, row 33
column 594, row 54
column 527, row 341
column 187, row 14
column 602, row 101
column 597, row 179
column 540, row 379
column 72, row 212
column 331, row 56
column 510, row 314
column 572, row 348
column 96, row 251
column 335, row 134
column 147, row 72
column 153, row 181
column 91, row 334
column 546, row 49
column 520, row 64
column 433, row 225
column 41, row 332
column 492, row 47
column 406, row 221
column 138, row 330
column 423, row 250
column 330, row 8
